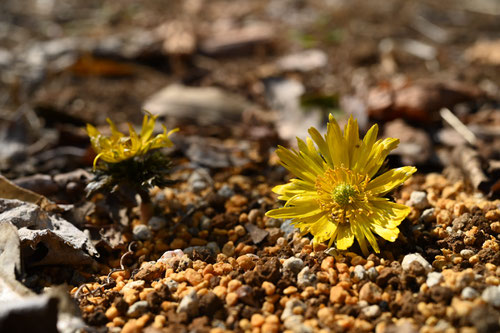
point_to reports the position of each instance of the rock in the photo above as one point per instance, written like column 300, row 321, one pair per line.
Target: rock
column 287, row 227
column 294, row 323
column 326, row 316
column 214, row 247
column 256, row 234
column 172, row 285
column 306, row 278
column 359, row 273
column 428, row 215
column 290, row 305
column 210, row 304
column 372, row 273
column 303, row 61
column 141, row 232
column 434, row 278
column 491, row 295
column 225, row 191
column 338, row 295
column 293, row 264
column 371, row 311
column 418, row 199
column 189, row 304
column 370, row 292
column 239, row 41
column 228, row 249
column 199, row 180
column 150, row 271
column 157, row 223
column 137, row 309
column 205, row 105
column 469, row 293
column 205, row 223
column 409, row 258
column 466, row 253
column 273, row 223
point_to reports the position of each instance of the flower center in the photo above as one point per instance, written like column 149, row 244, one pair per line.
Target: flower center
column 341, row 193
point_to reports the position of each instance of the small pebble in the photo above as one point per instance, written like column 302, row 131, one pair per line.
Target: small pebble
column 199, row 180
column 306, row 278
column 273, row 223
column 428, row 215
column 214, row 247
column 141, row 232
column 205, row 223
column 293, row 264
column 372, row 273
column 469, row 293
column 371, row 311
column 466, row 253
column 434, row 278
column 370, row 292
column 157, row 223
column 409, row 258
column 225, row 191
column 491, row 295
column 359, row 273
column 172, row 285
column 290, row 305
column 287, row 227
column 418, row 199
column 137, row 309
column 228, row 249
column 189, row 304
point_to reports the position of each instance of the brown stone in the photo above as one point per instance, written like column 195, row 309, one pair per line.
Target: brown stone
column 370, row 293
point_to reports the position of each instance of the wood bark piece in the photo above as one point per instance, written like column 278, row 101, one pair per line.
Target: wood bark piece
column 469, row 161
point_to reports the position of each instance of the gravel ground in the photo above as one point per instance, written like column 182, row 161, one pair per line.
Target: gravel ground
column 227, row 267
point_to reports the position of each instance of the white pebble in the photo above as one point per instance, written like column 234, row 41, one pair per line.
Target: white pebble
column 434, row 278
column 418, row 199
column 409, row 258
column 491, row 295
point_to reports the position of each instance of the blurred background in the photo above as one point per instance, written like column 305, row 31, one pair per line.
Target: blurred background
column 248, row 71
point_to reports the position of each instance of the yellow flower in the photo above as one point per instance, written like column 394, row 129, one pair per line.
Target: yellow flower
column 337, row 195
column 119, row 147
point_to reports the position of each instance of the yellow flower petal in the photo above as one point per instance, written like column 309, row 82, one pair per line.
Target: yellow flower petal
column 322, row 146
column 361, row 154
column 293, row 212
column 296, row 164
column 345, row 236
column 323, row 229
column 118, row 147
column 351, row 137
column 336, row 144
column 360, row 237
column 379, row 153
column 389, row 234
column 390, row 180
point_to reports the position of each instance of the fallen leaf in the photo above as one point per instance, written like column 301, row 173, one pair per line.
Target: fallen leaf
column 10, row 258
column 89, row 65
column 419, row 101
column 256, row 234
column 46, row 238
column 9, row 190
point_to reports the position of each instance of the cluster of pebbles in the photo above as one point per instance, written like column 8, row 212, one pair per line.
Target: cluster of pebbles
column 224, row 266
